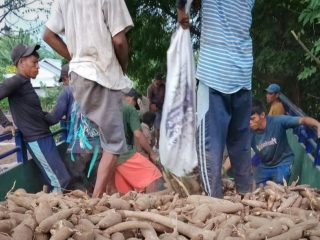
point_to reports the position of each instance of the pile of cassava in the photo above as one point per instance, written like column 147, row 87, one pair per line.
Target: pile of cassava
column 272, row 212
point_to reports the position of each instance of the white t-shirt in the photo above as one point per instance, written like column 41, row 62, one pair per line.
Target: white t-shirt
column 89, row 26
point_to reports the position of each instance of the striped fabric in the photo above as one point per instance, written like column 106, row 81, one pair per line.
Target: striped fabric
column 36, row 150
column 225, row 62
column 45, row 154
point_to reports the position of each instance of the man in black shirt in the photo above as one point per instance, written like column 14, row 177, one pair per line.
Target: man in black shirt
column 29, row 117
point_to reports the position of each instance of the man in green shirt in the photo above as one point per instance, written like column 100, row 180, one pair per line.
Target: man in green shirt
column 135, row 171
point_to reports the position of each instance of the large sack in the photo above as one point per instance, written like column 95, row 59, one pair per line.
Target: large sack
column 178, row 125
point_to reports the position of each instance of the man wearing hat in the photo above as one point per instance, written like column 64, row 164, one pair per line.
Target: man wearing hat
column 29, row 117
column 65, row 100
column 276, row 106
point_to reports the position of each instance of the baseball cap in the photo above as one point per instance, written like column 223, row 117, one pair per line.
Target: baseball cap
column 64, row 72
column 133, row 93
column 22, row 50
column 273, row 88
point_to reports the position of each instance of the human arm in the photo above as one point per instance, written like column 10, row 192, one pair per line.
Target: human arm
column 60, row 109
column 144, row 144
column 55, row 26
column 183, row 17
column 152, row 105
column 135, row 127
column 121, row 49
column 118, row 21
column 56, row 42
column 311, row 122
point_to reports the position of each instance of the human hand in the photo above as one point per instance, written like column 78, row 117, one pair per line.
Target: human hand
column 9, row 129
column 153, row 107
column 153, row 157
column 183, row 18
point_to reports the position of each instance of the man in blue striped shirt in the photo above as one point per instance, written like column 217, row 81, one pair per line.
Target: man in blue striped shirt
column 224, row 93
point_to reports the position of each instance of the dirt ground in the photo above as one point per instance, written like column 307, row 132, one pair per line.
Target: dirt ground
column 4, row 147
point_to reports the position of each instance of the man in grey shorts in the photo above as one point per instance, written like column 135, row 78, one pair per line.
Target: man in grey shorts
column 96, row 44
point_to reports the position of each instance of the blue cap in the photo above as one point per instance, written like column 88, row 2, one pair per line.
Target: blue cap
column 273, row 88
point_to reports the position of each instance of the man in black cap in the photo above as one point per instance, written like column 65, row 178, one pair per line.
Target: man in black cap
column 29, row 117
column 65, row 100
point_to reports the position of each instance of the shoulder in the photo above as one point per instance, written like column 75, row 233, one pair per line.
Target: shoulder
column 150, row 87
column 14, row 80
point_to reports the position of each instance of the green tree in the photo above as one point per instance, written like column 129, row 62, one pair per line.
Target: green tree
column 14, row 12
column 155, row 21
column 8, row 42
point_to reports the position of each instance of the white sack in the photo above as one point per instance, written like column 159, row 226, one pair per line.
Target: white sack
column 177, row 146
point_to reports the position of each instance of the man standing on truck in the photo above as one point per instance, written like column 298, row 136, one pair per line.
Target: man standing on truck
column 269, row 141
column 29, row 117
column 96, row 44
column 224, row 72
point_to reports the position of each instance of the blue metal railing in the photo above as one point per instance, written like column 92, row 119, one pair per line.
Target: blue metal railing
column 306, row 135
column 20, row 149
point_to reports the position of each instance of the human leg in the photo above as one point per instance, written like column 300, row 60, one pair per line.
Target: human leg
column 45, row 154
column 281, row 172
column 238, row 140
column 262, row 175
column 105, row 172
column 137, row 173
column 102, row 106
column 211, row 142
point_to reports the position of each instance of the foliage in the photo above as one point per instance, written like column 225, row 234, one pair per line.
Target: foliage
column 49, row 98
column 8, row 42
column 277, row 55
column 155, row 21
column 22, row 12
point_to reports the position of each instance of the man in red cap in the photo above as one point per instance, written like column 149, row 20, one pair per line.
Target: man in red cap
column 30, row 119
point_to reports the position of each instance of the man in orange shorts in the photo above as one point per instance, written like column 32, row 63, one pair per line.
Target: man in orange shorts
column 135, row 171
